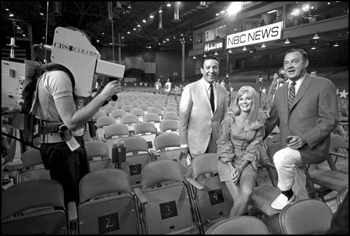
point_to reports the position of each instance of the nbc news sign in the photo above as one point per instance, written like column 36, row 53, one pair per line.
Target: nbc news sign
column 258, row 35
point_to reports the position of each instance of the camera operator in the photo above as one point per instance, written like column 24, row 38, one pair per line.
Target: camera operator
column 62, row 128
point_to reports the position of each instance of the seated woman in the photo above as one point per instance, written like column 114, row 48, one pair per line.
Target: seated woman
column 240, row 137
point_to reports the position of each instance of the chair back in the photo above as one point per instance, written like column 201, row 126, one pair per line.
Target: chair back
column 33, row 167
column 239, row 225
column 166, row 140
column 136, row 157
column 98, row 155
column 214, row 200
column 170, row 115
column 106, row 204
column 34, row 207
column 169, row 126
column 307, row 216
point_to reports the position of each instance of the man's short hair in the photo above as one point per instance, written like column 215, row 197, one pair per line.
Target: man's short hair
column 210, row 57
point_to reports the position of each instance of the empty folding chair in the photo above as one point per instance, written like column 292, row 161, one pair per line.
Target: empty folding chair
column 214, row 199
column 339, row 148
column 307, row 216
column 101, row 124
column 160, row 106
column 156, row 110
column 98, row 155
column 167, row 147
column 169, row 126
column 135, row 104
column 114, row 133
column 117, row 114
column 320, row 182
column 109, row 109
column 149, row 103
column 107, row 205
column 130, row 121
column 133, row 159
column 170, row 115
column 36, row 207
column 144, row 107
column 32, row 167
column 98, row 115
column 138, row 112
column 153, row 118
column 172, row 104
column 127, row 108
column 239, row 225
column 173, row 109
column 148, row 131
column 119, row 104
column 166, row 208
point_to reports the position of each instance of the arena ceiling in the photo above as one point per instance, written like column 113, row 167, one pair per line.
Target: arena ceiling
column 162, row 33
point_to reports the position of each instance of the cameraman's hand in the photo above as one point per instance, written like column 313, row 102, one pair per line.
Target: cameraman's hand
column 112, row 88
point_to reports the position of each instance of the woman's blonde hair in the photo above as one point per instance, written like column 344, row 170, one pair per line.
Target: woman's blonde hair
column 252, row 118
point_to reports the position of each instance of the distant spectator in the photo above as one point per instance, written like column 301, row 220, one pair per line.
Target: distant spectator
column 158, row 86
column 176, row 91
column 222, row 83
column 167, row 87
column 259, row 79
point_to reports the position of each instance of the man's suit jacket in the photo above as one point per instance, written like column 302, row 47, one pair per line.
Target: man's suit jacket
column 313, row 116
column 196, row 119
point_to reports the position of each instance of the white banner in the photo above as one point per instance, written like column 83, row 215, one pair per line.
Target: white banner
column 258, row 35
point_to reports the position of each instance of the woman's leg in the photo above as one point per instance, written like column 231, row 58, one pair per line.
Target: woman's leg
column 243, row 195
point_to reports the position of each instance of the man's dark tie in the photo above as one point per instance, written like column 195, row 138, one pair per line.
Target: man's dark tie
column 212, row 97
column 291, row 95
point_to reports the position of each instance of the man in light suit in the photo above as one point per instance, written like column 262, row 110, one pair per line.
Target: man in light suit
column 305, row 125
column 199, row 123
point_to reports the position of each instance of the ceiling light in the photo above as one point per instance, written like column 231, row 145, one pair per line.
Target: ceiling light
column 168, row 4
column 176, row 13
column 287, row 41
column 336, row 45
column 230, row 51
column 270, row 12
column 316, row 36
column 263, row 45
column 313, row 48
column 144, row 21
column 216, row 53
column 204, row 55
column 129, row 6
column 306, row 7
column 194, row 58
column 244, row 49
column 202, row 5
column 151, row 16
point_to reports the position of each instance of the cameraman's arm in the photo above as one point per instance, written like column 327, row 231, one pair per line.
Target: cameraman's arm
column 75, row 119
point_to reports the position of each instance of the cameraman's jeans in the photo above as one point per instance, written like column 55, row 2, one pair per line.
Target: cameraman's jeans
column 66, row 167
